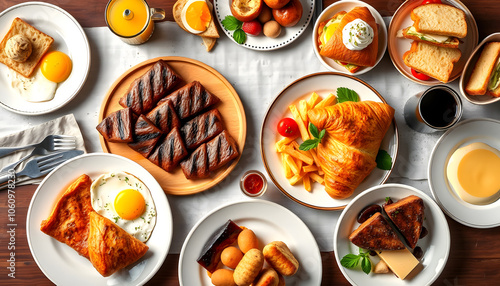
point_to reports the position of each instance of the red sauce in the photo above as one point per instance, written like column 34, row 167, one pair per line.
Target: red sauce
column 253, row 183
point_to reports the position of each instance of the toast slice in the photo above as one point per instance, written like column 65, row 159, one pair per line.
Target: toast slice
column 211, row 31
column 376, row 234
column 439, row 19
column 434, row 61
column 485, row 66
column 446, row 42
column 407, row 214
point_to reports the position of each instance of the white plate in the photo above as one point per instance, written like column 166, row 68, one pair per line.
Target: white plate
column 63, row 265
column 269, row 222
column 69, row 38
column 464, row 133
column 261, row 42
column 436, row 245
column 348, row 5
column 322, row 84
column 398, row 46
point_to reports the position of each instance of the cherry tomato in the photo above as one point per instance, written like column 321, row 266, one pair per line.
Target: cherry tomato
column 431, row 2
column 287, row 127
column 420, row 76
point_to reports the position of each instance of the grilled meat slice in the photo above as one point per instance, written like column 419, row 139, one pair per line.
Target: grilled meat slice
column 407, row 214
column 170, row 151
column 147, row 90
column 202, row 128
column 376, row 234
column 221, row 150
column 191, row 99
column 164, row 116
column 196, row 166
column 146, row 135
column 117, row 126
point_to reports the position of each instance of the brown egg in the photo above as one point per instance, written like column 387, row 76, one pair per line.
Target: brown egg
column 289, row 15
column 247, row 240
column 231, row 256
column 265, row 14
column 271, row 29
column 223, row 277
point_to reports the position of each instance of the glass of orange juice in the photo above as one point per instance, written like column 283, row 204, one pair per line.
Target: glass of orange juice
column 132, row 20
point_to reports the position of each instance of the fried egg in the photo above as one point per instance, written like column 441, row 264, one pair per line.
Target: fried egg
column 33, row 89
column 125, row 200
column 56, row 66
column 196, row 16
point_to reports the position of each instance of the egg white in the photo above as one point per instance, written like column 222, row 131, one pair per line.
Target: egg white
column 103, row 193
column 183, row 15
column 33, row 89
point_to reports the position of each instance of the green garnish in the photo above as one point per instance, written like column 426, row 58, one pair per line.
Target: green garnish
column 352, row 260
column 239, row 36
column 384, row 160
column 312, row 143
column 346, row 94
column 230, row 23
column 387, row 199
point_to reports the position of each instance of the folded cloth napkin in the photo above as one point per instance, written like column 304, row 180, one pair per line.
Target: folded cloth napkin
column 65, row 125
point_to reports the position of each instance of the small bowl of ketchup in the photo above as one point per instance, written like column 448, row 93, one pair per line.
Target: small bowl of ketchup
column 253, row 183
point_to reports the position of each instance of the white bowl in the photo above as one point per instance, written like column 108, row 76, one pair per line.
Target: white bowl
column 347, row 5
column 469, row 67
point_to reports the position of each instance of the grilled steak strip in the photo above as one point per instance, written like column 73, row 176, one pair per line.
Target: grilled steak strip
column 146, row 135
column 164, row 116
column 117, row 126
column 221, row 150
column 202, row 128
column 196, row 166
column 147, row 90
column 170, row 151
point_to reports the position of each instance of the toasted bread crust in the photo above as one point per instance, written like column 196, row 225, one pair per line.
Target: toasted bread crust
column 376, row 234
column 478, row 81
column 407, row 214
column 453, row 44
column 451, row 21
column 211, row 31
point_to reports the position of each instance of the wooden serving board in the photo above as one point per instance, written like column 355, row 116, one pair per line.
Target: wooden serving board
column 230, row 108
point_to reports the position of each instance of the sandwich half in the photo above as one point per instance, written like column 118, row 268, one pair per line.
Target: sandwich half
column 439, row 19
column 485, row 77
column 436, row 40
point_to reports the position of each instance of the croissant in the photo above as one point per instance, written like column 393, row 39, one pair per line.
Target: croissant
column 335, row 48
column 354, row 132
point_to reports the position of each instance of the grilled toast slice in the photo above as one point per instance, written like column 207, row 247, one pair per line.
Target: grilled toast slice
column 407, row 214
column 376, row 234
column 439, row 19
column 485, row 66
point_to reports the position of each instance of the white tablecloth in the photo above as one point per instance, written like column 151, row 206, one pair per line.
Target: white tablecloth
column 257, row 77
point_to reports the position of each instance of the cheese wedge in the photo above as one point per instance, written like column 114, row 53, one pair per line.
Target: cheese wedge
column 401, row 262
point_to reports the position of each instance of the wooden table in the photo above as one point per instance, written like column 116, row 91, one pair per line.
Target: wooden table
column 474, row 256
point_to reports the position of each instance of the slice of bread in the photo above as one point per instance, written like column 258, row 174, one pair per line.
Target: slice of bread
column 478, row 81
column 407, row 214
column 376, row 234
column 209, row 43
column 211, row 31
column 434, row 61
column 40, row 44
column 453, row 42
column 439, row 19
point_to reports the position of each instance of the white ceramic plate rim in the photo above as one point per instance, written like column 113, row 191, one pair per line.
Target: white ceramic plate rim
column 257, row 215
column 436, row 245
column 47, row 251
column 318, row 198
column 70, row 39
column 335, row 8
column 468, row 131
column 261, row 42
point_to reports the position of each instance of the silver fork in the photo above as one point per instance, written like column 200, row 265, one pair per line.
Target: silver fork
column 37, row 151
column 50, row 143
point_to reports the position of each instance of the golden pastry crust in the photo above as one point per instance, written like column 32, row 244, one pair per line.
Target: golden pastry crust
column 354, row 132
column 335, row 48
column 110, row 247
column 69, row 220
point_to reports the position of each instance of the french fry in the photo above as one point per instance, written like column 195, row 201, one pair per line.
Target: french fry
column 303, row 111
column 286, row 167
column 314, row 155
column 304, row 134
column 327, row 101
column 313, row 100
column 291, row 163
column 297, row 177
column 309, row 168
column 307, row 182
column 316, row 178
column 298, row 155
column 280, row 145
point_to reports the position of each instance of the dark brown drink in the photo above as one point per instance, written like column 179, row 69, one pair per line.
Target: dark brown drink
column 438, row 108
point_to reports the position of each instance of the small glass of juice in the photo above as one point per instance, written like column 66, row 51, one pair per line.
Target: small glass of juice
column 132, row 20
column 253, row 183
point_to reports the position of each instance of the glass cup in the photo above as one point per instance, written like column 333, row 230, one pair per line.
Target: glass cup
column 436, row 109
column 132, row 20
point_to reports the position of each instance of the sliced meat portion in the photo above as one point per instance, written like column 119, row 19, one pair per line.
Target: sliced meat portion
column 221, row 150
column 196, row 166
column 202, row 128
column 376, row 234
column 191, row 99
column 407, row 214
column 170, row 151
column 117, row 126
column 146, row 135
column 164, row 116
column 147, row 90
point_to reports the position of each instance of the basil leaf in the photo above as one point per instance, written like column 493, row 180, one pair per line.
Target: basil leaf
column 231, row 23
column 366, row 265
column 239, row 36
column 314, row 130
column 309, row 144
column 350, row 260
column 346, row 94
column 384, row 160
column 322, row 134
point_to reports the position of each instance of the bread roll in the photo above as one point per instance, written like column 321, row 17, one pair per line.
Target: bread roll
column 279, row 256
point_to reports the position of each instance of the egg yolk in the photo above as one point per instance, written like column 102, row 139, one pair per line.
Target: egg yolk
column 129, row 204
column 198, row 15
column 56, row 66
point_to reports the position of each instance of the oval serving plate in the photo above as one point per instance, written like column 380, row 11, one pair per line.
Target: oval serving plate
column 270, row 222
column 347, row 5
column 398, row 46
column 62, row 264
column 322, row 84
column 261, row 42
column 230, row 107
column 69, row 38
column 436, row 245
